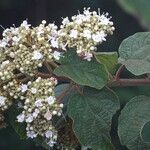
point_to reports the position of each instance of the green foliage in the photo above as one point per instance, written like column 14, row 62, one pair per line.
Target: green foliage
column 131, row 121
column 138, row 8
column 109, row 59
column 135, row 53
column 82, row 72
column 92, row 114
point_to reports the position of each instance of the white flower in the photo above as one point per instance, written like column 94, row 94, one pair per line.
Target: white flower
column 33, row 90
column 29, row 118
column 51, row 143
column 79, row 19
column 99, row 37
column 54, row 43
column 4, row 63
column 48, row 115
column 3, row 44
column 49, row 134
column 88, row 56
column 20, row 118
column 56, row 55
column 87, row 34
column 50, row 100
column 25, row 24
column 104, row 20
column 65, row 21
column 2, row 100
column 35, row 113
column 31, row 134
column 38, row 103
column 16, row 39
column 73, row 33
column 24, row 88
column 43, row 21
column 37, row 55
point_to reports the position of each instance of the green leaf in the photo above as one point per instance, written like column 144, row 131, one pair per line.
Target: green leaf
column 131, row 122
column 92, row 114
column 81, row 71
column 109, row 59
column 19, row 128
column 135, row 53
column 138, row 8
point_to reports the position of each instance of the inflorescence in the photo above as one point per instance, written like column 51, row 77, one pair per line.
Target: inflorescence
column 85, row 31
column 25, row 49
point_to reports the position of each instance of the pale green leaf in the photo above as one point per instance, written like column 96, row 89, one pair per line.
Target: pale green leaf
column 109, row 59
column 135, row 53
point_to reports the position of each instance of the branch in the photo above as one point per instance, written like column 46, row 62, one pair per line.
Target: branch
column 118, row 73
column 129, row 82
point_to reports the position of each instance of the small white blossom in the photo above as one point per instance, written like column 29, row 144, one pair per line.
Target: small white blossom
column 88, row 56
column 87, row 34
column 3, row 44
column 33, row 90
column 104, row 20
column 49, row 134
column 4, row 63
column 74, row 33
column 48, row 115
column 50, row 100
column 25, row 24
column 51, row 143
column 65, row 21
column 16, row 39
column 24, row 88
column 31, row 134
column 37, row 55
column 38, row 103
column 20, row 118
column 56, row 55
column 2, row 100
column 54, row 43
column 99, row 37
column 29, row 118
column 79, row 19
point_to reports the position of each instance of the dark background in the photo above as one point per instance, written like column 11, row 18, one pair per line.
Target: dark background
column 15, row 11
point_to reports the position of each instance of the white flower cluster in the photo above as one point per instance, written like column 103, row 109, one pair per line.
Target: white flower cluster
column 85, row 31
column 28, row 47
column 6, row 71
column 39, row 107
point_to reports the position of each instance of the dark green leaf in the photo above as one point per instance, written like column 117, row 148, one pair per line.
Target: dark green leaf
column 146, row 132
column 92, row 114
column 82, row 72
column 131, row 122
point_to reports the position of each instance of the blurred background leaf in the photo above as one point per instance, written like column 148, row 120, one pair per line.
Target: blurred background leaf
column 139, row 8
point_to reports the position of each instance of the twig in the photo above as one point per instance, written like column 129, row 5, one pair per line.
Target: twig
column 43, row 75
column 52, row 63
column 129, row 82
column 118, row 73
